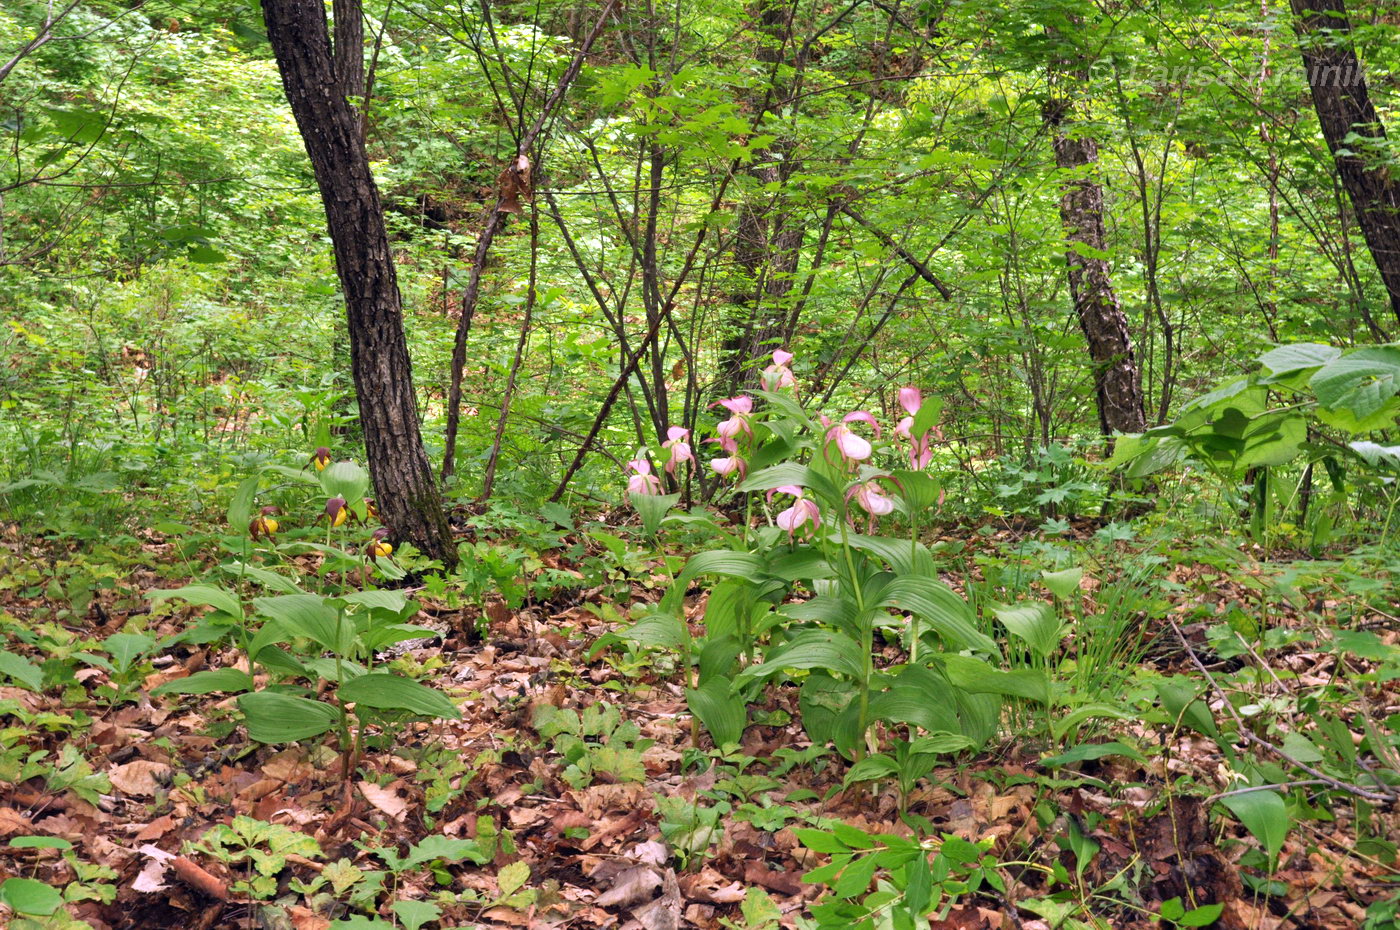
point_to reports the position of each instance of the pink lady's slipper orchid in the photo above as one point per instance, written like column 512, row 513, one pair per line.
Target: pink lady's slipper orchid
column 852, row 446
column 642, row 481
column 729, row 465
column 677, row 442
column 873, row 499
column 739, row 408
column 779, row 375
column 802, row 513
column 921, row 447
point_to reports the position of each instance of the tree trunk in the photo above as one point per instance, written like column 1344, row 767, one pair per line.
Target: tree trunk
column 1344, row 107
column 769, row 237
column 1117, row 381
column 406, row 494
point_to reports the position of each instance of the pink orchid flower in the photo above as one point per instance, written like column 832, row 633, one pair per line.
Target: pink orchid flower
column 873, row 499
column 803, row 513
column 725, row 443
column 852, row 446
column 642, row 481
column 779, row 375
column 740, row 406
column 729, row 465
column 921, row 447
column 676, row 442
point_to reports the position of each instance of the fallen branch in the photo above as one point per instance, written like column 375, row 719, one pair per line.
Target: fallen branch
column 1387, row 795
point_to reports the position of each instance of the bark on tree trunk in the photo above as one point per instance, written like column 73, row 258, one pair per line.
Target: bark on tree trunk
column 769, row 237
column 1343, row 104
column 1117, row 380
column 406, row 494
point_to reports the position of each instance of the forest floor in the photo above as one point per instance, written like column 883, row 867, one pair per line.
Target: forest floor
column 518, row 815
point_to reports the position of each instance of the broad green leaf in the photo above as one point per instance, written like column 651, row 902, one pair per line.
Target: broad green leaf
column 1288, row 359
column 414, row 914
column 871, row 768
column 940, row 609
column 240, row 508
column 394, row 692
column 40, row 842
column 1064, row 584
column 390, row 602
column 765, row 479
column 1376, row 454
column 1263, row 814
column 721, row 710
column 977, row 677
column 126, row 648
column 1202, row 916
column 1182, row 702
column 30, row 896
column 658, row 631
column 1074, row 718
column 1085, row 752
column 437, row 846
column 310, row 616
column 345, row 479
column 208, row 682
column 813, row 649
column 268, row 579
column 725, row 562
column 1034, row 623
column 941, row 743
column 821, row 841
column 511, row 878
column 918, row 490
column 282, row 718
column 652, row 508
column 201, row 595
column 21, row 670
column 1361, row 381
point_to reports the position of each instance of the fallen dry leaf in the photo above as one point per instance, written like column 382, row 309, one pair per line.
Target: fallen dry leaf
column 386, row 799
column 630, row 887
column 140, row 778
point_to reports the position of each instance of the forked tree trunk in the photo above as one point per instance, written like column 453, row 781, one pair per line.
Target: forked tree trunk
column 1343, row 104
column 407, row 496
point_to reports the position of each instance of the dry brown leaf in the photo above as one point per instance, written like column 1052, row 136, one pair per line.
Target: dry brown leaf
column 12, row 821
column 386, row 799
column 631, row 886
column 304, row 919
column 140, row 778
column 665, row 912
column 156, row 829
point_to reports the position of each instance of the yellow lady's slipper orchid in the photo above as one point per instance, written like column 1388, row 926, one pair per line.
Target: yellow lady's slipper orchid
column 320, row 458
column 381, row 550
column 263, row 524
column 336, row 511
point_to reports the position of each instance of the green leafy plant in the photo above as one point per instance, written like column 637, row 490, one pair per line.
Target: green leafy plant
column 260, row 848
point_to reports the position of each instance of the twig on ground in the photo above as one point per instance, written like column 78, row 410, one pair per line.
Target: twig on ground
column 1384, row 795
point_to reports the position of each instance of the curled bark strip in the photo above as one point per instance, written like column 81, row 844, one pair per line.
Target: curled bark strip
column 194, row 875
